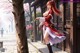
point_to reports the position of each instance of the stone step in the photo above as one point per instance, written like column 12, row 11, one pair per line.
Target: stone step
column 60, row 52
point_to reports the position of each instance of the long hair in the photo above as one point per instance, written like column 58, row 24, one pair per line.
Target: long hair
column 52, row 3
column 53, row 6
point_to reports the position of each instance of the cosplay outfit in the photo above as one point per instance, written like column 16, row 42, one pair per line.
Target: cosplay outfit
column 54, row 36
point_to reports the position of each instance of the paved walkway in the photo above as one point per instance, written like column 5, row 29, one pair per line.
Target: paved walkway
column 38, row 47
column 34, row 47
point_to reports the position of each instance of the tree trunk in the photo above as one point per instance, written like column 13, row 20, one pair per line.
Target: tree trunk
column 18, row 12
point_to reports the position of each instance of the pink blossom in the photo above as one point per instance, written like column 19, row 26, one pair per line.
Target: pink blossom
column 29, row 27
column 26, row 7
column 8, row 7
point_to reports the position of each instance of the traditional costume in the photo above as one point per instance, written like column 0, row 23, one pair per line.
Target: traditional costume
column 54, row 36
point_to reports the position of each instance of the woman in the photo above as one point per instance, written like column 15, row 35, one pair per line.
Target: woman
column 51, row 35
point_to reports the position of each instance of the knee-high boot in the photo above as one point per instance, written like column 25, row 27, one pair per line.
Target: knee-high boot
column 49, row 48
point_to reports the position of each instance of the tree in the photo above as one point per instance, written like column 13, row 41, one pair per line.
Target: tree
column 18, row 12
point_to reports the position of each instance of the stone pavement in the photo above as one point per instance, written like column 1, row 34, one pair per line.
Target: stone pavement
column 38, row 47
column 34, row 47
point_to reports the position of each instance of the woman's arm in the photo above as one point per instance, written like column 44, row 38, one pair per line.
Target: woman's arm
column 41, row 19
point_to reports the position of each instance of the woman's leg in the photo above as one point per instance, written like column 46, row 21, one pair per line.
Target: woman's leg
column 46, row 38
column 49, row 48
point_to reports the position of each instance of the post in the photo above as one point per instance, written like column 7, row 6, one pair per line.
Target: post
column 34, row 24
column 73, row 32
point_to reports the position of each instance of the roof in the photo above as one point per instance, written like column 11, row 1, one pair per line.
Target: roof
column 28, row 1
column 35, row 2
column 39, row 2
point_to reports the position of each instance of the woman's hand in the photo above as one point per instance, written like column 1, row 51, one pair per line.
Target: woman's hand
column 37, row 18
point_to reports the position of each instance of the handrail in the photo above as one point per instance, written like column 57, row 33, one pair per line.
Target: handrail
column 35, row 46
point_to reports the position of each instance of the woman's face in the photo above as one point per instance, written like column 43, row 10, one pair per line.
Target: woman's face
column 48, row 6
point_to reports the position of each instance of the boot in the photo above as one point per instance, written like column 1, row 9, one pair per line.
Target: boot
column 49, row 48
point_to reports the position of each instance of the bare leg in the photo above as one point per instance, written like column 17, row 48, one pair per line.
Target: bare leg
column 49, row 48
column 46, row 38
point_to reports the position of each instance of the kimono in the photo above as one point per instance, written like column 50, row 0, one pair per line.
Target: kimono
column 50, row 34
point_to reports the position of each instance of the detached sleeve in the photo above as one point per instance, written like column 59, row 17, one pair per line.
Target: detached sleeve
column 41, row 19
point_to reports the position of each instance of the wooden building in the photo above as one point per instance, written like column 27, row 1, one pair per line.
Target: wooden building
column 69, row 23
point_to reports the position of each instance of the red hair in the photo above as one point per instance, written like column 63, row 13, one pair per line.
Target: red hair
column 53, row 7
column 52, row 3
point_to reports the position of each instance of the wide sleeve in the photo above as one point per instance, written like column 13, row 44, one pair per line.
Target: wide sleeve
column 41, row 19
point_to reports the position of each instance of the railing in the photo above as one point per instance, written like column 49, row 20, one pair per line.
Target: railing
column 35, row 51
